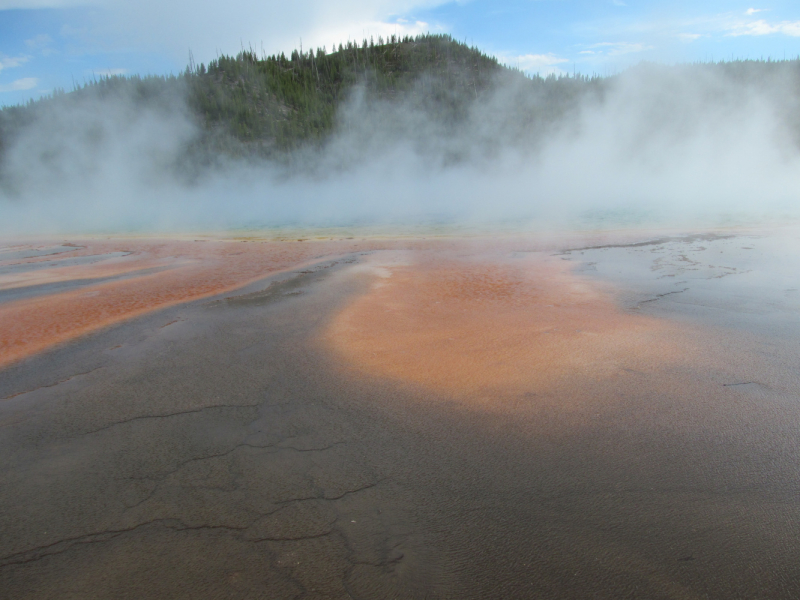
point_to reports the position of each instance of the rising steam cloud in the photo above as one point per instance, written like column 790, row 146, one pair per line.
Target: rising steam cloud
column 666, row 145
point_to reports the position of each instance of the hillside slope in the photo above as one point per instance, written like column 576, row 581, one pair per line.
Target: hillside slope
column 278, row 107
column 268, row 106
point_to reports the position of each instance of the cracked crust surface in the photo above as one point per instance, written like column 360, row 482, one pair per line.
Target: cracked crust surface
column 219, row 450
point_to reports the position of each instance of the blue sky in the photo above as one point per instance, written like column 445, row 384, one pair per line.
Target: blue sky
column 46, row 44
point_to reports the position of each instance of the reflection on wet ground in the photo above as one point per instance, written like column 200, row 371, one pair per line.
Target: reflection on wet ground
column 424, row 420
column 23, row 251
column 46, row 301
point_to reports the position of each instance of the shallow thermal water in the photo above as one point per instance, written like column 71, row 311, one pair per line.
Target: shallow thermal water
column 493, row 328
column 444, row 419
column 45, row 301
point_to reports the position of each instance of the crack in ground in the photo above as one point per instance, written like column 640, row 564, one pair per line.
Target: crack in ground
column 308, row 449
column 298, row 538
column 332, row 498
column 40, row 552
column 659, row 296
column 41, row 387
column 168, row 415
column 171, row 323
column 64, row 545
column 382, row 563
column 159, row 480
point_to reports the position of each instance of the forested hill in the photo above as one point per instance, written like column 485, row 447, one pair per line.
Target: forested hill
column 295, row 98
column 272, row 104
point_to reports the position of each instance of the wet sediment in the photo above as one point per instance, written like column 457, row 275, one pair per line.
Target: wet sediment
column 243, row 446
column 53, row 294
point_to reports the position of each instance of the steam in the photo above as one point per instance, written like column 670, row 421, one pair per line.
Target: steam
column 656, row 145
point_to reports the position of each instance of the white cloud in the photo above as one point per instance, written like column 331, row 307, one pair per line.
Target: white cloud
column 752, row 11
column 9, row 62
column 359, row 31
column 620, row 48
column 689, row 37
column 202, row 26
column 762, row 27
column 26, row 83
column 41, row 43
